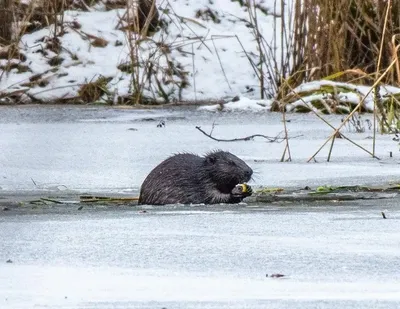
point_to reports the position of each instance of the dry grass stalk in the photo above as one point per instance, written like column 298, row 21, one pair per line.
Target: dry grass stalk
column 336, row 133
column 273, row 68
column 329, row 40
column 252, row 10
column 154, row 73
column 379, row 80
column 6, row 21
column 378, row 106
column 140, row 14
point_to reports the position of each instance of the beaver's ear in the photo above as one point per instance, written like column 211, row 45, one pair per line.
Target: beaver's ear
column 211, row 159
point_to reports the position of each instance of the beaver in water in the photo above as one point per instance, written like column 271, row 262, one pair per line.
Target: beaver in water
column 190, row 179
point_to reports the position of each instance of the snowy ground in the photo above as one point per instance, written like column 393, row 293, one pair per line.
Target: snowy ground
column 211, row 58
column 210, row 54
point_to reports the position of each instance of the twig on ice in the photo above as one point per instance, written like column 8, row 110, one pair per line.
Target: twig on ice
column 277, row 138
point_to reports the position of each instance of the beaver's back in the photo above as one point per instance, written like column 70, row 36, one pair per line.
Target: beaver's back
column 175, row 180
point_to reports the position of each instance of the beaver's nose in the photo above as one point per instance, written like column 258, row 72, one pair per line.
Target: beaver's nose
column 248, row 173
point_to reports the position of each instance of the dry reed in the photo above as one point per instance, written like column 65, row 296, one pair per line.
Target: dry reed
column 335, row 36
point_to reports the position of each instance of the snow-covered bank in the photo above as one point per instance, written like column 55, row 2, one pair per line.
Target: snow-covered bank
column 207, row 58
column 319, row 96
column 242, row 103
column 203, row 51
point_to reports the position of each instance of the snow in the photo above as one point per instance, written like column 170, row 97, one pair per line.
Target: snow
column 210, row 57
column 210, row 54
column 242, row 104
column 353, row 94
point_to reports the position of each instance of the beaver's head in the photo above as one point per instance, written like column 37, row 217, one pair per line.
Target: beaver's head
column 226, row 170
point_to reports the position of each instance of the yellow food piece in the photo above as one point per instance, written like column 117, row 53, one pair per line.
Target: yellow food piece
column 244, row 187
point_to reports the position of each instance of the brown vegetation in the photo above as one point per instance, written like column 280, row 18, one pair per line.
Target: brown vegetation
column 6, row 21
column 142, row 16
column 342, row 35
column 340, row 40
column 94, row 90
column 17, row 17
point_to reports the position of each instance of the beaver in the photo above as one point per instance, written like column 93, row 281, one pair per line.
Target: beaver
column 186, row 178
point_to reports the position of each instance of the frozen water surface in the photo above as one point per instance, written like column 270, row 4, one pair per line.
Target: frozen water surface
column 342, row 255
column 217, row 257
column 103, row 149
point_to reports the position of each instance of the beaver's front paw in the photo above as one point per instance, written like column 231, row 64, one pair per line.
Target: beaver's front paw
column 242, row 190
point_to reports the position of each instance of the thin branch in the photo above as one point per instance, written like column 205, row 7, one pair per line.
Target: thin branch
column 277, row 138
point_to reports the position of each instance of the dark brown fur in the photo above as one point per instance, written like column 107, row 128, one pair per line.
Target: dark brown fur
column 190, row 179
